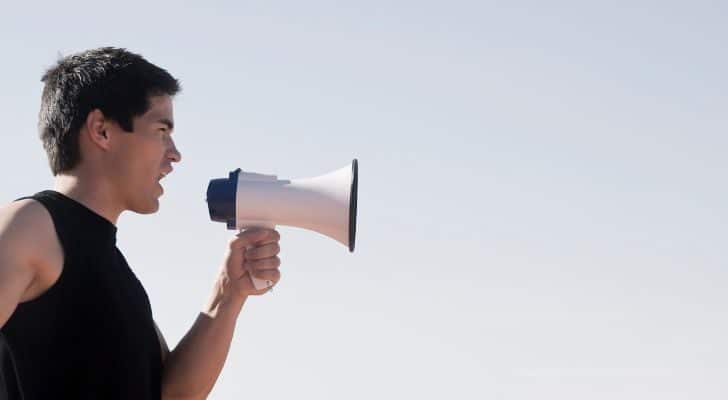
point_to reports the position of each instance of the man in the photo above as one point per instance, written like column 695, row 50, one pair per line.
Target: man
column 75, row 321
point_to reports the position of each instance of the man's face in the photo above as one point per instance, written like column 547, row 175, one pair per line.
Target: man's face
column 141, row 158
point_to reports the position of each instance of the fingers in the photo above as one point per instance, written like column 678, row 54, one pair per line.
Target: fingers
column 258, row 249
column 272, row 275
column 262, row 264
column 265, row 251
column 255, row 236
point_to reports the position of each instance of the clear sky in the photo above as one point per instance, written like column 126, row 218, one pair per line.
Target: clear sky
column 542, row 208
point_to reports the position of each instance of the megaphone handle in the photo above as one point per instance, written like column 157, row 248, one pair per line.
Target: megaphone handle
column 259, row 284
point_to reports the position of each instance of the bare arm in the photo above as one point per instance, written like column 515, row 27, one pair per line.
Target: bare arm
column 27, row 252
column 191, row 369
column 15, row 278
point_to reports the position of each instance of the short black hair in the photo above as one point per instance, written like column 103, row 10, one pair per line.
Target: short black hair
column 113, row 80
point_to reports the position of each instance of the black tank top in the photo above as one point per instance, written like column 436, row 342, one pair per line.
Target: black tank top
column 91, row 335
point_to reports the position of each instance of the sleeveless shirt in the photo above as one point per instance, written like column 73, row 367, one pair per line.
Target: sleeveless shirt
column 89, row 336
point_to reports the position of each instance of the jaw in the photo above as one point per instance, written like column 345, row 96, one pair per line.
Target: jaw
column 145, row 200
column 149, row 208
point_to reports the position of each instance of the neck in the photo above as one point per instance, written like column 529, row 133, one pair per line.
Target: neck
column 94, row 193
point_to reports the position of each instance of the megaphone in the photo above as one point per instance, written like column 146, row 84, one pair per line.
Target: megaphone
column 325, row 204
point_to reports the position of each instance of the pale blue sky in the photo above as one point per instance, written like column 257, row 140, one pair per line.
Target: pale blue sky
column 542, row 208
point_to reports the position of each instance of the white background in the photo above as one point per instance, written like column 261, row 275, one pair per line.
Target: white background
column 542, row 208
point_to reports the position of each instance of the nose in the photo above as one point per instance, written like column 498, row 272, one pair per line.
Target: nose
column 173, row 154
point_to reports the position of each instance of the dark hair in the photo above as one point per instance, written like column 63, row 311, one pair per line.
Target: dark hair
column 113, row 80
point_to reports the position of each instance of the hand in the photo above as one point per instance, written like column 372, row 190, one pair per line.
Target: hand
column 253, row 251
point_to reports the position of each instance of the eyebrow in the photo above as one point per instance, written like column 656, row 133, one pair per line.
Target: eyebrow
column 168, row 122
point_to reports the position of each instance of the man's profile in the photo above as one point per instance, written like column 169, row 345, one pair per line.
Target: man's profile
column 75, row 322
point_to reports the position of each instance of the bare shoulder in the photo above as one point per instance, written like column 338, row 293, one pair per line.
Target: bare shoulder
column 29, row 245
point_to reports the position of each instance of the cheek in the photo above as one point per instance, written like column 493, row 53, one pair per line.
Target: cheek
column 120, row 165
column 138, row 164
column 149, row 150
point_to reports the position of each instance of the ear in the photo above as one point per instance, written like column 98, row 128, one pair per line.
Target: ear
column 97, row 128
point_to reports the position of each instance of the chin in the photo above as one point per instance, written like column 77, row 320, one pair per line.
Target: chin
column 148, row 208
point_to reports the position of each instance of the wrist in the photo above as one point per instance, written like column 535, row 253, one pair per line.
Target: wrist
column 224, row 298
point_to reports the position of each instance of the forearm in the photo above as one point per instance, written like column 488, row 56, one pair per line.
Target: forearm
column 191, row 369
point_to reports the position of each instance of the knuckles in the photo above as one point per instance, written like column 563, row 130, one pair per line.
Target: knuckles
column 254, row 235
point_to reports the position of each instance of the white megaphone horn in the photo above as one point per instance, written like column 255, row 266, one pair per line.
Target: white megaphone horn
column 325, row 204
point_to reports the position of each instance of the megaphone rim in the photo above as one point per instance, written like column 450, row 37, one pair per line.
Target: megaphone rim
column 353, row 203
